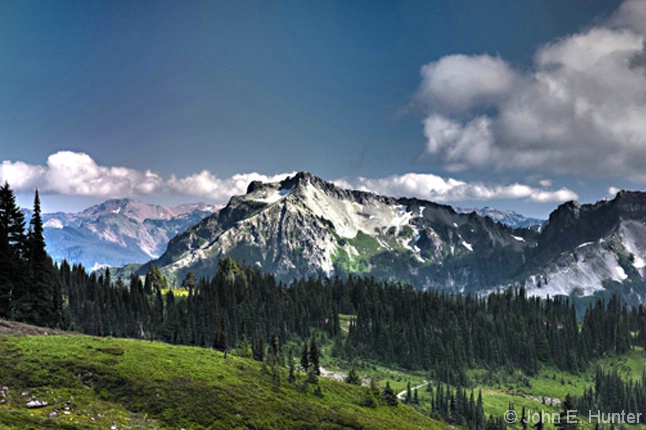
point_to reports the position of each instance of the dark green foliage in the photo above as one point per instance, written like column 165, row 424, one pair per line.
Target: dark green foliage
column 13, row 271
column 353, row 378
column 369, row 399
column 389, row 395
column 566, row 419
column 318, row 392
column 305, row 360
column 29, row 289
column 540, row 425
column 312, row 378
column 221, row 343
column 314, row 358
column 457, row 407
column 611, row 394
column 291, row 378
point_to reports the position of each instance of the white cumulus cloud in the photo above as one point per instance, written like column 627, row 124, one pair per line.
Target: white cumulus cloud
column 77, row 173
column 205, row 184
column 437, row 188
column 459, row 82
column 579, row 109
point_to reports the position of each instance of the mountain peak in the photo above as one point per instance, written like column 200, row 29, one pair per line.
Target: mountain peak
column 300, row 178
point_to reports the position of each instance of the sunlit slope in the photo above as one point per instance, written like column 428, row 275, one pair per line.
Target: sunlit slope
column 116, row 383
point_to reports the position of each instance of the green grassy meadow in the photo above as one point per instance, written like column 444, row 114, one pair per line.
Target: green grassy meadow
column 106, row 383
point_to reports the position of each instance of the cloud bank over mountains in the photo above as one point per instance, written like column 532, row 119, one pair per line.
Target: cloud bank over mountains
column 579, row 109
column 76, row 173
column 437, row 188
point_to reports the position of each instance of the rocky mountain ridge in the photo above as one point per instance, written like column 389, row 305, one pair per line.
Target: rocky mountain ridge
column 305, row 226
column 592, row 248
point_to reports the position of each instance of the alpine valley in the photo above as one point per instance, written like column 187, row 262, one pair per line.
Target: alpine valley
column 304, row 226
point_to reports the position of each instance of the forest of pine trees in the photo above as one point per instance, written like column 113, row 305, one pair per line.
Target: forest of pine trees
column 611, row 394
column 458, row 407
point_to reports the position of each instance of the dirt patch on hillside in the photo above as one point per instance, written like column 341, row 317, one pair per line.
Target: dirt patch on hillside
column 13, row 327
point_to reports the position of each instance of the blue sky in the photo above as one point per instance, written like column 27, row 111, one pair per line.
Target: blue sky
column 182, row 101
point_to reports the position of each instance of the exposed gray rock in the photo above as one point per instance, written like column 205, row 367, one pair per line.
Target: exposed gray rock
column 33, row 404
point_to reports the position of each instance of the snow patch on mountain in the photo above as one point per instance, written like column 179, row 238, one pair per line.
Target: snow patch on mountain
column 633, row 238
column 592, row 263
column 53, row 223
column 583, row 273
column 272, row 195
column 621, row 273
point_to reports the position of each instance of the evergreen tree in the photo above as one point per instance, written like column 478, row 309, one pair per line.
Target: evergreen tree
column 290, row 362
column 314, row 357
column 13, row 273
column 539, row 424
column 220, row 342
column 305, row 361
column 352, row 377
column 389, row 396
column 369, row 398
column 567, row 421
column 36, row 306
column 409, row 394
column 258, row 347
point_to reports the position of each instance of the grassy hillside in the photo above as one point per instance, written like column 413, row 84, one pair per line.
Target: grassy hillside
column 115, row 383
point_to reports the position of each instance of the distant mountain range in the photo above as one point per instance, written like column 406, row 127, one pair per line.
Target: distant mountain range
column 304, row 226
column 510, row 218
column 118, row 232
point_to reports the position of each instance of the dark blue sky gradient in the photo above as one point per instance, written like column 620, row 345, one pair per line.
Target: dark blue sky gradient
column 240, row 86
